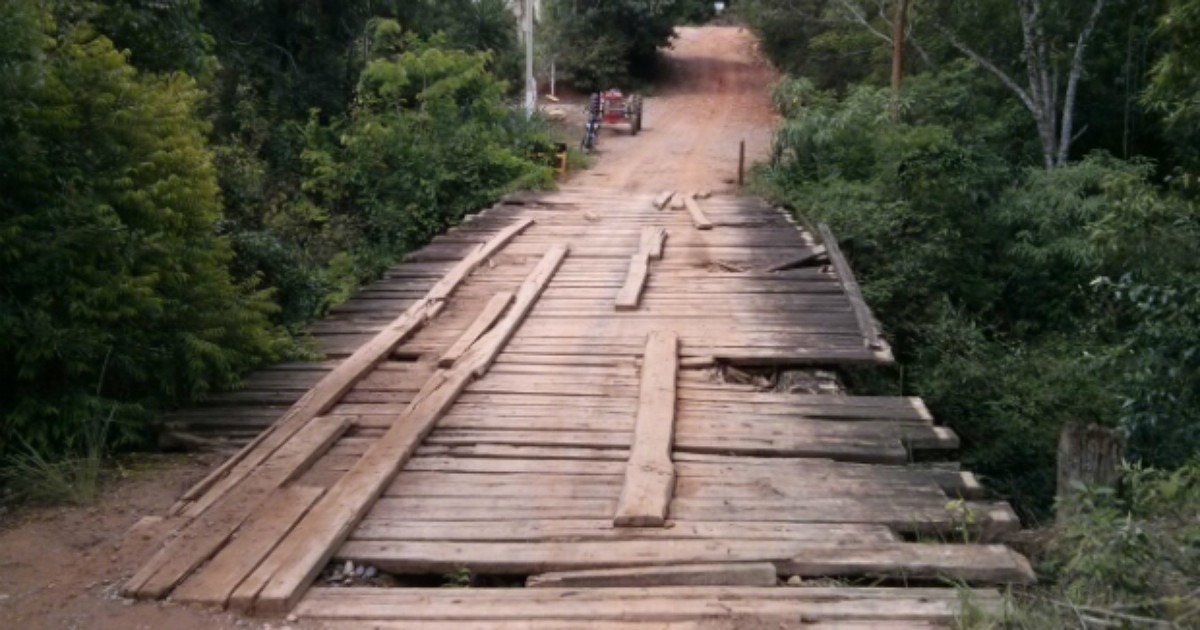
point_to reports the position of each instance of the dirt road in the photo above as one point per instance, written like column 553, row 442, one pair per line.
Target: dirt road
column 716, row 94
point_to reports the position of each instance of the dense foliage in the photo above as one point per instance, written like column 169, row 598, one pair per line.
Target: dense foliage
column 1018, row 297
column 184, row 183
column 598, row 44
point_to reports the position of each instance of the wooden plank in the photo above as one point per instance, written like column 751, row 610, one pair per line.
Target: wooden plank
column 811, row 256
column 699, row 219
column 649, row 475
column 338, row 381
column 451, row 280
column 663, row 199
column 212, row 585
column 635, row 281
column 720, row 574
column 887, row 607
column 526, row 558
column 861, row 312
column 280, row 580
column 977, row 564
column 653, row 238
column 205, row 536
column 487, row 317
column 566, row 530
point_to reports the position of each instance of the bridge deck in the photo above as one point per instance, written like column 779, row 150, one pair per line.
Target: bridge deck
column 638, row 428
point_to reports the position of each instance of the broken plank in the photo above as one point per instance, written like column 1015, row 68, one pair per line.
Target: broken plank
column 282, row 578
column 978, row 564
column 649, row 475
column 699, row 219
column 813, row 255
column 487, row 317
column 663, row 199
column 720, row 574
column 653, row 238
column 631, row 292
column 212, row 585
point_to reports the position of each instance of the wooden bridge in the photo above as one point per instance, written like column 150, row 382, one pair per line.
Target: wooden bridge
column 612, row 410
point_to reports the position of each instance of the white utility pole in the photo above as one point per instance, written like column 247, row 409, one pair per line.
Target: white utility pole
column 530, row 82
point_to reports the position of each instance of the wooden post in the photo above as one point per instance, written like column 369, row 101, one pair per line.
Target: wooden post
column 1086, row 454
column 742, row 164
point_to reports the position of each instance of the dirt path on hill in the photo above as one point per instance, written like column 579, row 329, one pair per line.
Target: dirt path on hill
column 715, row 95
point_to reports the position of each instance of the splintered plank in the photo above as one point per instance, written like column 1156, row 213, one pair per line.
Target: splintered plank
column 649, row 474
column 280, row 580
column 212, row 585
column 652, row 241
column 979, row 564
column 487, row 317
column 721, row 574
column 631, row 292
column 663, row 199
column 862, row 314
column 699, row 219
column 204, row 536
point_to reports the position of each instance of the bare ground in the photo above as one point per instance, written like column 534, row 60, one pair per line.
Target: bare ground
column 716, row 94
column 62, row 567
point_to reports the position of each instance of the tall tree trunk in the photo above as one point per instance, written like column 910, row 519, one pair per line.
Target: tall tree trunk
column 898, row 25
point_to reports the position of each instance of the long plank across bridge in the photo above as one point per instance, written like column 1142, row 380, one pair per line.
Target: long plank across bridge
column 614, row 409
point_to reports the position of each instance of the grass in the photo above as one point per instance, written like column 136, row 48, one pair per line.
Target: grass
column 75, row 479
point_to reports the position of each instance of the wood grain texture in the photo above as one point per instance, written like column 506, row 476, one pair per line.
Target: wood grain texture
column 649, row 475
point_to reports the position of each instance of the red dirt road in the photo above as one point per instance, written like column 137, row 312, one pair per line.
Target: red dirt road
column 716, row 94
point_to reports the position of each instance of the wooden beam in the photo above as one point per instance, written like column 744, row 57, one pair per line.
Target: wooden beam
column 487, row 317
column 813, row 255
column 663, row 199
column 280, row 581
column 861, row 312
column 341, row 379
column 203, row 537
column 649, row 474
column 720, row 574
column 212, row 585
column 652, row 241
column 978, row 564
column 699, row 219
column 635, row 280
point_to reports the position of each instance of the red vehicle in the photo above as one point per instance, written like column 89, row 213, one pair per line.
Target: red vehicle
column 611, row 108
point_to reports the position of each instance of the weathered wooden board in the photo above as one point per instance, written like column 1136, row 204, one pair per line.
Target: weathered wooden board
column 650, row 476
column 720, row 574
column 487, row 317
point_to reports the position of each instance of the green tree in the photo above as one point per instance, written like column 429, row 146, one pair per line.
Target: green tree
column 114, row 287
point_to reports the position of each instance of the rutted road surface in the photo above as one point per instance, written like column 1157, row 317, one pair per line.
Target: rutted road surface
column 715, row 94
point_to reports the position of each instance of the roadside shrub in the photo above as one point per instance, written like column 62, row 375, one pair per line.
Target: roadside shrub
column 116, row 290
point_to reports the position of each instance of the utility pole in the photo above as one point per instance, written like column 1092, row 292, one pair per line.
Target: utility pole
column 530, row 82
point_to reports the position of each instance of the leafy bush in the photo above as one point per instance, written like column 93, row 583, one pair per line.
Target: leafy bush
column 598, row 44
column 1017, row 299
column 116, row 289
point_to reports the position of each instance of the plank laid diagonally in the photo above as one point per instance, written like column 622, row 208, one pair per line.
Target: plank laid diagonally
column 303, row 553
column 590, row 425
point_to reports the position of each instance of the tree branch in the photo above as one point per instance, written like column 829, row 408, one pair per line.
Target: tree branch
column 1064, row 145
column 991, row 67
